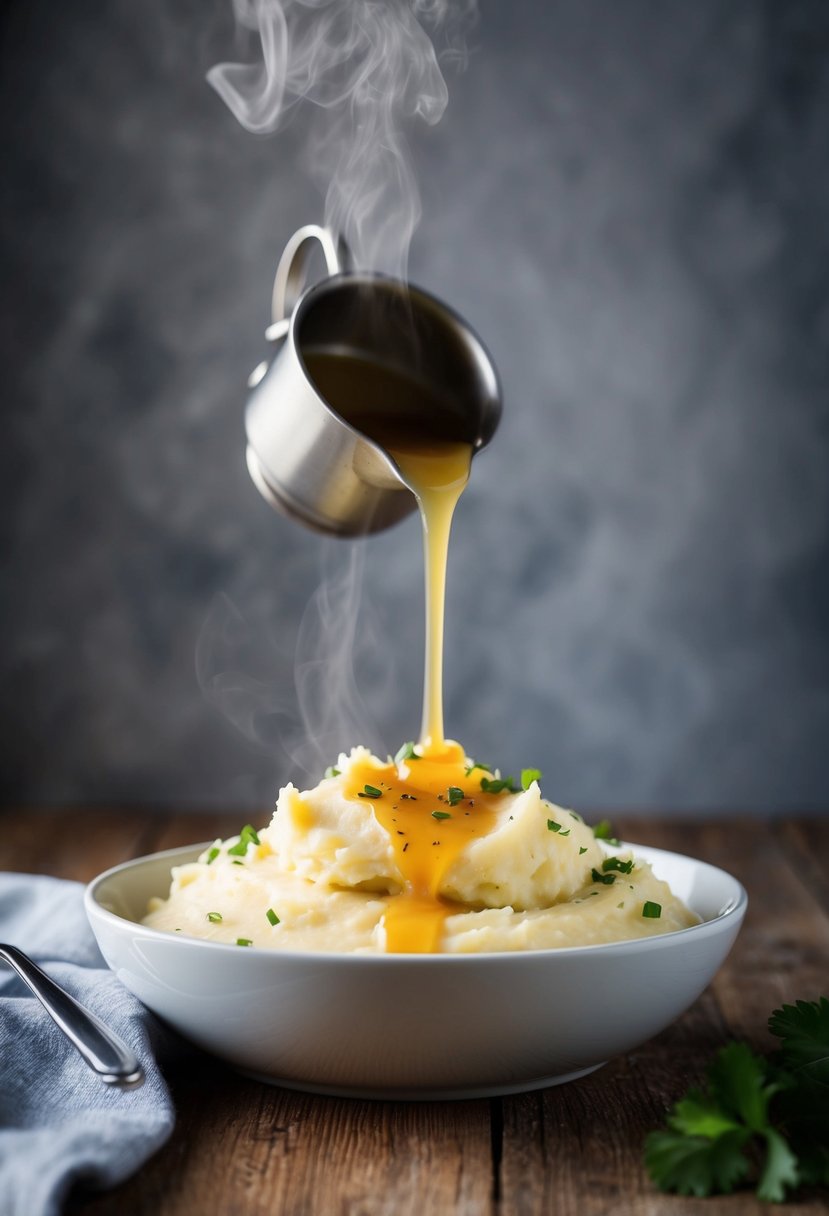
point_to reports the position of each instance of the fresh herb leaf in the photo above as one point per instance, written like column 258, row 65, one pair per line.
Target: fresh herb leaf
column 441, row 815
column 528, row 776
column 616, row 863
column 331, row 771
column 780, row 1169
column 696, row 1165
column 606, row 879
column 774, row 1111
column 272, row 917
column 370, row 791
column 243, row 941
column 582, row 849
column 406, row 752
column 454, row 795
column 215, row 918
column 804, row 1031
column 603, row 830
column 212, row 854
column 651, row 910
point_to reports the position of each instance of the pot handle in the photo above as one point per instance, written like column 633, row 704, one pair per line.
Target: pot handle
column 291, row 272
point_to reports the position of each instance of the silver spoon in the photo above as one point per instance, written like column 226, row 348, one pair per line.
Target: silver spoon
column 102, row 1050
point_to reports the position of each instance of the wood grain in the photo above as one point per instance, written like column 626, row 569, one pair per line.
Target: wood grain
column 576, row 1150
column 247, row 1148
column 74, row 844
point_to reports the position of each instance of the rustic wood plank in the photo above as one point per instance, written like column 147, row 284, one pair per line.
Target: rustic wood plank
column 70, row 843
column 806, row 844
column 782, row 953
column 577, row 1149
column 244, row 1147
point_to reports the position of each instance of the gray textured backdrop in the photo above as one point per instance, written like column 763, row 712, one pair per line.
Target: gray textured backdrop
column 629, row 201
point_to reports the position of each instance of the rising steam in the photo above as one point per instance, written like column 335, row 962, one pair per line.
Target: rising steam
column 304, row 706
column 364, row 71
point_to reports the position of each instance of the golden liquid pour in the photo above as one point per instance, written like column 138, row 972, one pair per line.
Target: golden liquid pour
column 421, row 806
column 437, row 473
column 424, row 846
column 430, row 807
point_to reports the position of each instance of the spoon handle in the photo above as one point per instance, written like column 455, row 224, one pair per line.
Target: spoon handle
column 102, row 1050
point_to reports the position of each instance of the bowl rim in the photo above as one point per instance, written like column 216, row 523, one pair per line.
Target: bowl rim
column 731, row 914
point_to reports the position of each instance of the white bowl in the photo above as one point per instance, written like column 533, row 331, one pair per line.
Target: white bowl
column 415, row 1026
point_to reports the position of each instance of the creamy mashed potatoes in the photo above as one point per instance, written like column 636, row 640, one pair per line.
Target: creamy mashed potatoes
column 421, row 854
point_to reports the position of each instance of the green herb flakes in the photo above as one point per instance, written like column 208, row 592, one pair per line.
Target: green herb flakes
column 454, row 795
column 582, row 849
column 471, row 768
column 273, row 919
column 331, row 771
column 528, row 776
column 212, row 854
column 650, row 910
column 497, row 785
column 605, row 879
column 615, row 863
column 552, row 826
column 243, row 941
column 248, row 836
column 406, row 752
column 603, row 830
column 441, row 815
column 215, row 918
column 370, row 791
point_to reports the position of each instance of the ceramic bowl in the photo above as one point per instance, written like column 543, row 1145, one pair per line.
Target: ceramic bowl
column 415, row 1026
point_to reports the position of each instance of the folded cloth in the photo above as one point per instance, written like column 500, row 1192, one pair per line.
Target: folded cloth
column 59, row 1123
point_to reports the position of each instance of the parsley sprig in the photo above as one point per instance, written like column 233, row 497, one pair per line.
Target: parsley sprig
column 773, row 1109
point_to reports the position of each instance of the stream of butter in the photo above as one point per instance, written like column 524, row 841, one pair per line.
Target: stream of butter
column 428, row 803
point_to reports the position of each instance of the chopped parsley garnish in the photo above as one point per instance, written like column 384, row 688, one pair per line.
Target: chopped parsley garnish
column 650, row 910
column 272, row 917
column 238, row 863
column 606, row 879
column 331, row 771
column 471, row 768
column 441, row 815
column 454, row 795
column 603, row 830
column 248, row 836
column 370, row 791
column 496, row 785
column 406, row 752
column 212, row 854
column 528, row 776
column 616, row 863
column 552, row 826
column 757, row 1117
column 582, row 849
column 243, row 941
column 215, row 918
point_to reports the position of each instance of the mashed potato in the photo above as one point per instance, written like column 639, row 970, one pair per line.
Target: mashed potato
column 384, row 856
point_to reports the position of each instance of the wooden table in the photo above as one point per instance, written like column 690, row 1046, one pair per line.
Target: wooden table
column 244, row 1148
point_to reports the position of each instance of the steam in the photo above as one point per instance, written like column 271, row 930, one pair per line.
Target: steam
column 302, row 704
column 366, row 70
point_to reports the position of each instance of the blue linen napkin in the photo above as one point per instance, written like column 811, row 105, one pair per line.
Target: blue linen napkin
column 59, row 1124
